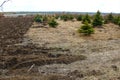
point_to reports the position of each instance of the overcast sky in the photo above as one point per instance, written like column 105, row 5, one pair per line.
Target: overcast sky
column 63, row 5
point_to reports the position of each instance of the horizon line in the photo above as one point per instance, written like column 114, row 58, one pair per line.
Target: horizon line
column 60, row 11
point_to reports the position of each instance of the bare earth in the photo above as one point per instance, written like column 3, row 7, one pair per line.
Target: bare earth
column 102, row 50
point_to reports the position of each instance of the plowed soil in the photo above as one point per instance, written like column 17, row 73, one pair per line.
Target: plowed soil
column 31, row 52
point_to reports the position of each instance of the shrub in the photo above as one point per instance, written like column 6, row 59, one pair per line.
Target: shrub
column 98, row 20
column 79, row 18
column 64, row 17
column 109, row 18
column 57, row 17
column 67, row 17
column 38, row 18
column 53, row 23
column 71, row 17
column 117, row 20
column 45, row 18
column 86, row 18
column 86, row 29
column 119, row 23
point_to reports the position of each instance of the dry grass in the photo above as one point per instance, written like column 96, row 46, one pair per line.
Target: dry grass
column 101, row 49
column 66, row 32
column 109, row 31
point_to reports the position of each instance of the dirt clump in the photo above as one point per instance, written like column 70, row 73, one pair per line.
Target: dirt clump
column 43, row 61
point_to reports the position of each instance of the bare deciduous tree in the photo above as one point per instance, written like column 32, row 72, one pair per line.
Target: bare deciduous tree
column 1, row 5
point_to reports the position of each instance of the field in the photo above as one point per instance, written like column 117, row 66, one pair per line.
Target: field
column 30, row 51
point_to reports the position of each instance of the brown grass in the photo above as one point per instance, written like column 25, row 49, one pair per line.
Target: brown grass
column 58, row 51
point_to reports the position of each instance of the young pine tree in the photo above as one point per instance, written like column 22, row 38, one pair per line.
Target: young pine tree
column 64, row 17
column 53, row 23
column 98, row 19
column 79, row 18
column 110, row 18
column 38, row 18
column 86, row 29
column 86, row 18
column 117, row 20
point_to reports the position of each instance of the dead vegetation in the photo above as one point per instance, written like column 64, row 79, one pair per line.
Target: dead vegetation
column 43, row 61
column 59, row 53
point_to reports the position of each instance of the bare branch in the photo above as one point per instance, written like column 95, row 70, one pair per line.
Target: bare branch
column 31, row 68
column 1, row 6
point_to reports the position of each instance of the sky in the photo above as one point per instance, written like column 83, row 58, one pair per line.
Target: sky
column 63, row 5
